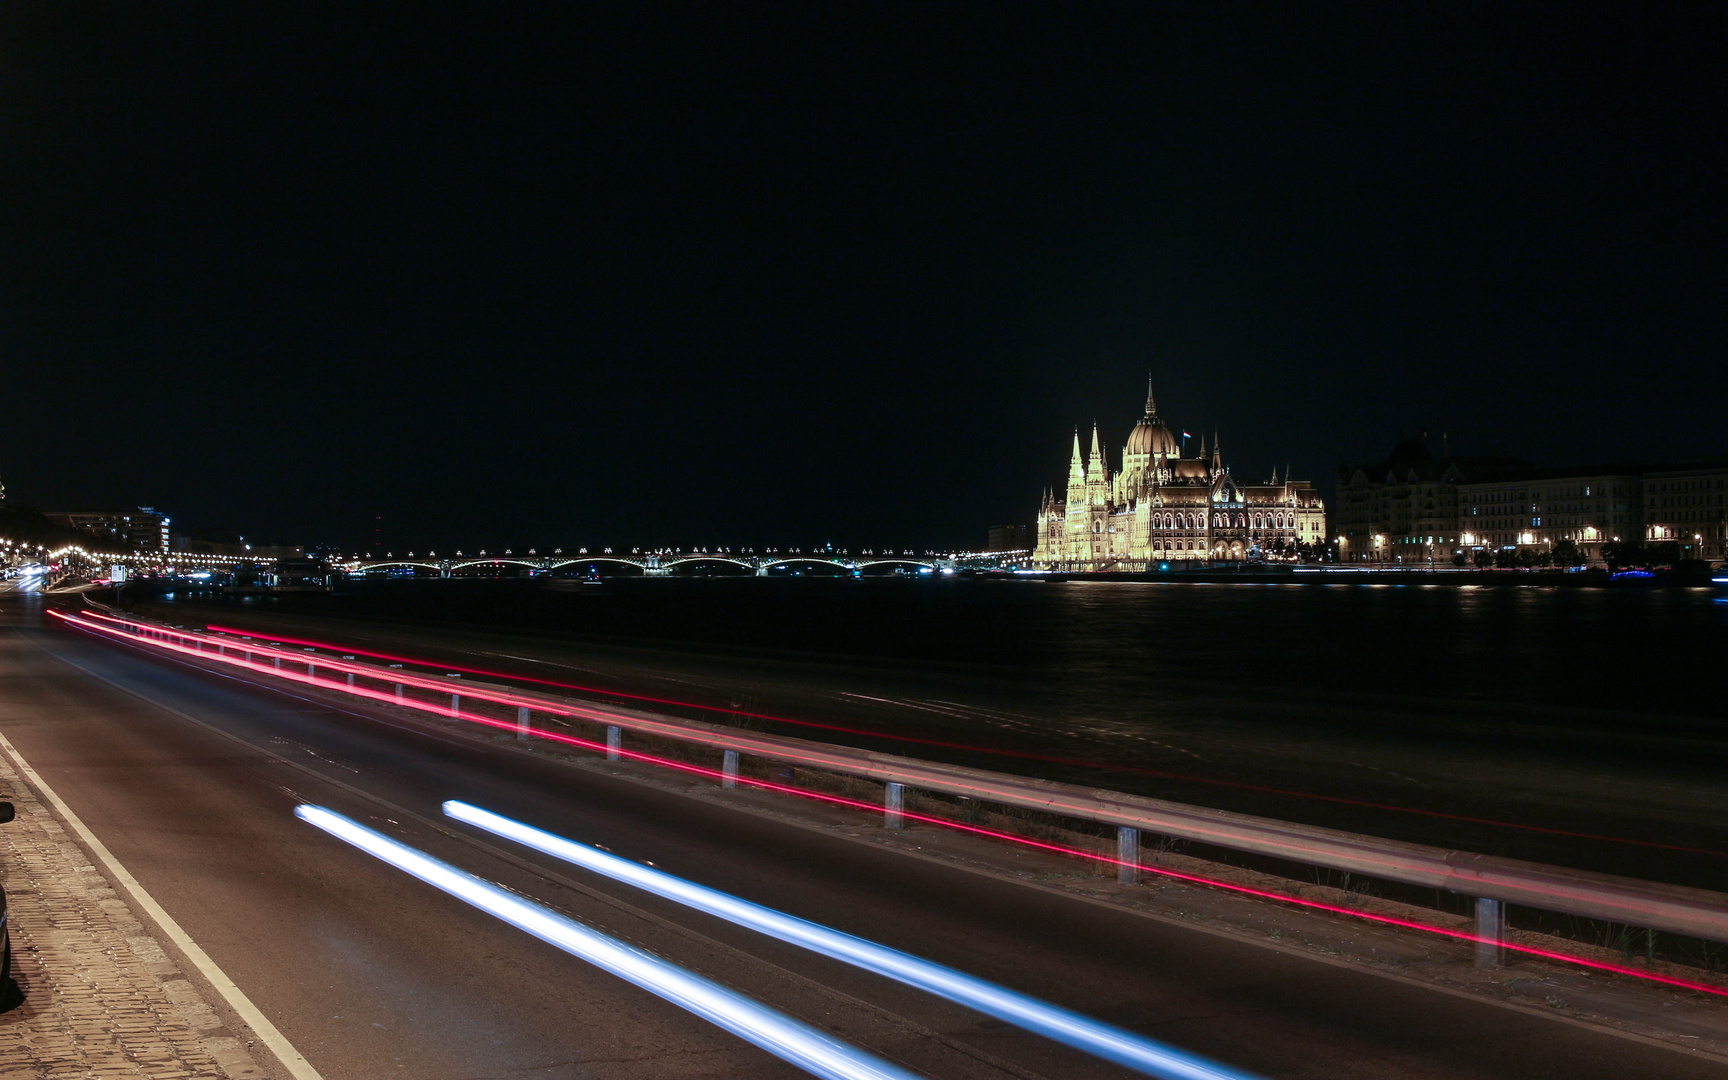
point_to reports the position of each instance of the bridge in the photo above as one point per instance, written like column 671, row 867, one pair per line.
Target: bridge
column 668, row 563
column 654, row 563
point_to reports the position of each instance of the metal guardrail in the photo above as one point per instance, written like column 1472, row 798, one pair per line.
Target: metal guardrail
column 1675, row 908
column 1678, row 909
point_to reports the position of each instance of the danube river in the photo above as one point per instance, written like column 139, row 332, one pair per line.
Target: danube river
column 1579, row 726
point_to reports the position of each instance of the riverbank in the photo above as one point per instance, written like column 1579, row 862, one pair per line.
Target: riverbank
column 1458, row 577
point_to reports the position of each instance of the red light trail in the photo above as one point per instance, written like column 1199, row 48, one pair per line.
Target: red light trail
column 995, row 752
column 836, row 800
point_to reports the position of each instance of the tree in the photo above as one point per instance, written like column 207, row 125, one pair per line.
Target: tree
column 1622, row 554
column 1527, row 556
column 1566, row 553
column 1484, row 558
column 1460, row 559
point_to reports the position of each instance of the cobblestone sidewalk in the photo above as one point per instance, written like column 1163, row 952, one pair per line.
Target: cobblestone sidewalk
column 101, row 998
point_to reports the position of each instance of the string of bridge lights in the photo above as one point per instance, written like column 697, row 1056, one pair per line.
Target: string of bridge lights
column 560, row 557
column 11, row 550
column 673, row 551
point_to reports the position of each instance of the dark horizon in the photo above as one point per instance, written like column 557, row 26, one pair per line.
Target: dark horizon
column 575, row 276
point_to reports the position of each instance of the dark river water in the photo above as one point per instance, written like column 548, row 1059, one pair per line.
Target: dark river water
column 1584, row 726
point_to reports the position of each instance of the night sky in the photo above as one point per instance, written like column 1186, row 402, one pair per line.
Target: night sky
column 572, row 274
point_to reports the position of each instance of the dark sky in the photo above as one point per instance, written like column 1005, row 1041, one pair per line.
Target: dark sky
column 639, row 275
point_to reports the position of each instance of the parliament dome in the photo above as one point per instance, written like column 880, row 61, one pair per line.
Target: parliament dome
column 1152, row 436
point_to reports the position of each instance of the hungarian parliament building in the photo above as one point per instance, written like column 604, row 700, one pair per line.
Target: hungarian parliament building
column 1163, row 505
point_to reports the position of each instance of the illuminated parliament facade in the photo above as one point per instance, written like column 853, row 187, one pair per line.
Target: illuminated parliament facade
column 1162, row 505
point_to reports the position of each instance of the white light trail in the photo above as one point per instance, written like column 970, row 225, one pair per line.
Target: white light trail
column 750, row 1020
column 1040, row 1017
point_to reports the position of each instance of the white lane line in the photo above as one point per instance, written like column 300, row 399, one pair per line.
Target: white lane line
column 265, row 1032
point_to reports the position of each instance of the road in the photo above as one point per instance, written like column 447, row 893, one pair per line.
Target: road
column 190, row 779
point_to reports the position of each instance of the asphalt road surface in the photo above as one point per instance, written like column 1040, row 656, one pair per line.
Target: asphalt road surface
column 190, row 779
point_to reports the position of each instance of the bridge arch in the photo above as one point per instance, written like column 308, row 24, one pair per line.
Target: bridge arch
column 488, row 561
column 681, row 560
column 591, row 559
column 364, row 567
column 607, row 565
column 878, row 564
column 693, row 565
column 788, row 564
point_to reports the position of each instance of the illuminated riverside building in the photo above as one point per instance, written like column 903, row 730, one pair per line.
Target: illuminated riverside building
column 145, row 528
column 1163, row 505
column 1403, row 509
column 1687, row 507
column 1414, row 508
column 1590, row 507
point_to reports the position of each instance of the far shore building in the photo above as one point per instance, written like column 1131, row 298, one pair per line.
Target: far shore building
column 1008, row 538
column 1165, row 505
column 141, row 529
column 1687, row 507
column 1416, row 509
column 1405, row 508
column 1591, row 506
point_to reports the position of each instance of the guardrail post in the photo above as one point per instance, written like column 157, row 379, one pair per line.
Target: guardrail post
column 614, row 739
column 398, row 691
column 894, row 806
column 350, row 678
column 455, row 704
column 1490, row 930
column 729, row 769
column 522, row 727
column 1127, row 855
column 311, row 671
column 278, row 663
